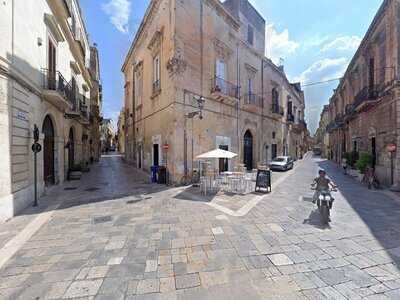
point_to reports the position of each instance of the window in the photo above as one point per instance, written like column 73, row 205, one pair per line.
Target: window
column 382, row 62
column 156, row 74
column 138, row 87
column 220, row 69
column 273, row 135
column 290, row 107
column 249, row 86
column 275, row 101
column 371, row 72
column 250, row 34
column 51, row 65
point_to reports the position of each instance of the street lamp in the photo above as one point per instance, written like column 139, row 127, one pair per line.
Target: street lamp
column 200, row 103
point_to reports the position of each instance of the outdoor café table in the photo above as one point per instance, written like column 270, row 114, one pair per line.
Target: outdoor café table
column 235, row 182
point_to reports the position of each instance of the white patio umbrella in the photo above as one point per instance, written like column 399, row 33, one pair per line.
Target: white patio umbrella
column 217, row 153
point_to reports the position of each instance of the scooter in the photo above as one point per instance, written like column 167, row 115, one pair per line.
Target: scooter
column 325, row 203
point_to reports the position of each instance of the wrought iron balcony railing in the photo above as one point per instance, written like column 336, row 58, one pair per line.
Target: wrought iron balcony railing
column 54, row 81
column 366, row 94
column 290, row 117
column 277, row 109
column 252, row 99
column 219, row 85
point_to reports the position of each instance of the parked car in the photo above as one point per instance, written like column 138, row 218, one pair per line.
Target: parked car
column 282, row 163
column 317, row 151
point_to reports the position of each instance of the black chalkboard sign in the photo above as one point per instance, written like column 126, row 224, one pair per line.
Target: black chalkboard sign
column 263, row 180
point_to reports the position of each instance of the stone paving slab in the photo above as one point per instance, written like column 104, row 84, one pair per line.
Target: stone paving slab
column 166, row 247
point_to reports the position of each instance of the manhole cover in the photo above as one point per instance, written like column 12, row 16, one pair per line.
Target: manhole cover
column 70, row 188
column 92, row 189
column 102, row 219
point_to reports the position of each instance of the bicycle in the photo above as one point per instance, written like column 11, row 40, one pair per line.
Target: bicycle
column 370, row 179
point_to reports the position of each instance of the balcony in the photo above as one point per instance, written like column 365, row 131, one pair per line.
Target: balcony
column 224, row 90
column 330, row 127
column 68, row 8
column 350, row 112
column 56, row 89
column 336, row 124
column 253, row 100
column 83, row 110
column 290, row 118
column 79, row 39
column 277, row 109
column 367, row 97
column 339, row 121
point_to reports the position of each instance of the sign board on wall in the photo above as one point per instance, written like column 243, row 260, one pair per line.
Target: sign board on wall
column 391, row 148
column 21, row 115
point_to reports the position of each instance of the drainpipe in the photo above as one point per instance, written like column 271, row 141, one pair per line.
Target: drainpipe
column 238, row 97
column 262, row 112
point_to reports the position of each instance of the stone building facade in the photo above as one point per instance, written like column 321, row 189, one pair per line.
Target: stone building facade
column 44, row 81
column 96, row 100
column 216, row 66
column 121, row 131
column 322, row 135
column 364, row 109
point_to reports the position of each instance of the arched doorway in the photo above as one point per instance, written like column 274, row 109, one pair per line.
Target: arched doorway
column 71, row 148
column 48, row 151
column 248, row 150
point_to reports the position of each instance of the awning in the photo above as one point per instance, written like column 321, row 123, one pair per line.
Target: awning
column 217, row 153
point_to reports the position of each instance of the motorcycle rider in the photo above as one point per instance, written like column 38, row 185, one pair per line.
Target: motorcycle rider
column 321, row 183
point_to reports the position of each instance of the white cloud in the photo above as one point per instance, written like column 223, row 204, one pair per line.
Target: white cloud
column 118, row 12
column 317, row 95
column 279, row 45
column 343, row 43
column 324, row 69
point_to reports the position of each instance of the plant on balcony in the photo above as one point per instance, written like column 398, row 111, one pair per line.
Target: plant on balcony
column 364, row 162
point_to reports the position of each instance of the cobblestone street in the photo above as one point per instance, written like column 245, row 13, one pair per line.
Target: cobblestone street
column 114, row 236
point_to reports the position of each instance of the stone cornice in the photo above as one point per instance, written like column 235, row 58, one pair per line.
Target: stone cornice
column 231, row 20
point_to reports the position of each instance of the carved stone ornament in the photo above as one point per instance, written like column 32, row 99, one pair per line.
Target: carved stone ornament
column 222, row 50
column 155, row 42
column 177, row 65
column 138, row 68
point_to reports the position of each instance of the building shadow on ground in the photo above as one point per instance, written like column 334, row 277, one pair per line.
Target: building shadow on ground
column 380, row 213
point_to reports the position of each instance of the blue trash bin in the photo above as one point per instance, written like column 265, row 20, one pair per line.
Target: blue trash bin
column 154, row 171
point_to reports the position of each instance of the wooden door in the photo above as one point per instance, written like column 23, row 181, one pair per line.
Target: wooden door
column 48, row 151
column 248, row 150
column 71, row 149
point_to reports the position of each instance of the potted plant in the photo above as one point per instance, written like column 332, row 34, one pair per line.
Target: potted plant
column 363, row 163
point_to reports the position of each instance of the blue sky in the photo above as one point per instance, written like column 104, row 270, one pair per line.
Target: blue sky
column 316, row 39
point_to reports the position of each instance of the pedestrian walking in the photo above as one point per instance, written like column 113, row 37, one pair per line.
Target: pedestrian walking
column 344, row 165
